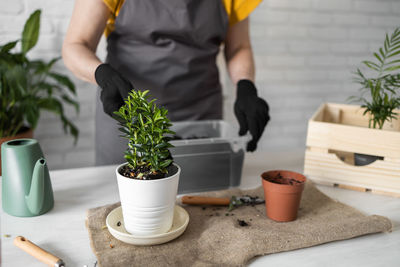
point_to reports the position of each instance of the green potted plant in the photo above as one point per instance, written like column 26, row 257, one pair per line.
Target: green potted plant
column 29, row 86
column 379, row 94
column 148, row 181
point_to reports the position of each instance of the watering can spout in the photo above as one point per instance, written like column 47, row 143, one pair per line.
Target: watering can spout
column 34, row 200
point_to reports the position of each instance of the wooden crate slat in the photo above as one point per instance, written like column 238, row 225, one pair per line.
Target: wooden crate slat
column 354, row 139
column 380, row 175
column 350, row 186
column 389, row 170
column 351, row 115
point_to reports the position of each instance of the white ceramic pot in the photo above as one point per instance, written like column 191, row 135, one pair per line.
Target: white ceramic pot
column 148, row 205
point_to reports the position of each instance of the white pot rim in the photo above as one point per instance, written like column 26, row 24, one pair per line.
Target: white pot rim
column 149, row 180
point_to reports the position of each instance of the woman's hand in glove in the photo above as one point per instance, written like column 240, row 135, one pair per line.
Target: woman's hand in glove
column 251, row 111
column 114, row 88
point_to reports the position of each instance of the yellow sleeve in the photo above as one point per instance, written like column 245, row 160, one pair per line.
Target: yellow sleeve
column 238, row 10
column 114, row 6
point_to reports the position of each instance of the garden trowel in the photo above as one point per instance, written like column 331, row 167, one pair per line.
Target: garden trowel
column 232, row 202
column 37, row 252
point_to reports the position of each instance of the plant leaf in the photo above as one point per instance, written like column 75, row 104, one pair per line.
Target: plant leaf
column 51, row 104
column 371, row 65
column 7, row 47
column 393, row 62
column 30, row 33
column 386, row 43
column 378, row 57
column 41, row 67
column 64, row 80
column 392, row 68
column 393, row 54
column 70, row 101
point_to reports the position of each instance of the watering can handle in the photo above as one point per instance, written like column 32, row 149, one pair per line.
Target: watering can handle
column 35, row 199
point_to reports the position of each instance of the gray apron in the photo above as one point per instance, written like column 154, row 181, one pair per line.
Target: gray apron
column 170, row 48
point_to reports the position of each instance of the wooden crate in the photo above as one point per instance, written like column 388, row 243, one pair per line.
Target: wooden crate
column 335, row 133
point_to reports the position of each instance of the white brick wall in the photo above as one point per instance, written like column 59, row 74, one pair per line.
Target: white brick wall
column 58, row 148
column 305, row 51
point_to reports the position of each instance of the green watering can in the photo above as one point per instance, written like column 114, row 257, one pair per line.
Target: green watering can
column 26, row 185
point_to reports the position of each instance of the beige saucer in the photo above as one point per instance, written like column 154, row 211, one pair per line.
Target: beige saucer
column 179, row 224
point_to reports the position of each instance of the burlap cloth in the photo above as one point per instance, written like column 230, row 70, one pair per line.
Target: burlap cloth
column 214, row 239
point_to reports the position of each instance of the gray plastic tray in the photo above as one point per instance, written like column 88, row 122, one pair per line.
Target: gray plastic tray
column 212, row 162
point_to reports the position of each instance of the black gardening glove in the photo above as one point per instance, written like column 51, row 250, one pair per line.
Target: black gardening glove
column 114, row 88
column 251, row 111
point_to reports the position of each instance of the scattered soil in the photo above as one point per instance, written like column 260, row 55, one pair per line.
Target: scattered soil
column 147, row 173
column 242, row 223
column 281, row 180
column 252, row 200
column 214, row 214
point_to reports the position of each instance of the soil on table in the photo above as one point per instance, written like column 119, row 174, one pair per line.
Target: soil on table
column 242, row 223
column 283, row 180
column 147, row 173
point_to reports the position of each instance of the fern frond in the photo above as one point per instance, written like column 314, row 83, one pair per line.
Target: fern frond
column 383, row 89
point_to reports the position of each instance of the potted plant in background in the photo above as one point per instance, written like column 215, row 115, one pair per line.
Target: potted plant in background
column 379, row 95
column 282, row 192
column 29, row 86
column 344, row 141
column 148, row 182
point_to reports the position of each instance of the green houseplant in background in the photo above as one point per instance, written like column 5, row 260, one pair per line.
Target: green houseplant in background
column 29, row 86
column 380, row 96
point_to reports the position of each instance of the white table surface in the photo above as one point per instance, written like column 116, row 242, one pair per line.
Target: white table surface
column 62, row 231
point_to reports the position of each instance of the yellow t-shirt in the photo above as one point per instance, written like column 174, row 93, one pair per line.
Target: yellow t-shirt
column 237, row 10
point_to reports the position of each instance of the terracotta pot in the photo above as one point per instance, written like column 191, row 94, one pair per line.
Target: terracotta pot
column 24, row 133
column 282, row 198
